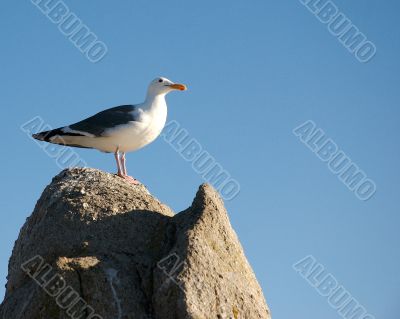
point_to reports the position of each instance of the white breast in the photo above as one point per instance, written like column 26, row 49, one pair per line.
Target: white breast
column 138, row 134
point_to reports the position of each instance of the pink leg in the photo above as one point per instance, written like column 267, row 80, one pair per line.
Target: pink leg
column 117, row 159
column 123, row 164
column 124, row 170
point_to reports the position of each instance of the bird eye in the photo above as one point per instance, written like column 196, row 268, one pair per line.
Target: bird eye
column 160, row 80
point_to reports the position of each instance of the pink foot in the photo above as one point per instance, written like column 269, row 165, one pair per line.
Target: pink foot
column 132, row 180
column 129, row 179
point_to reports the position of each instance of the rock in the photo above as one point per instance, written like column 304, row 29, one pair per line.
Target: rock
column 98, row 247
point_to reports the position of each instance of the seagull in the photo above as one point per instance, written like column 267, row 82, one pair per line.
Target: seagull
column 120, row 129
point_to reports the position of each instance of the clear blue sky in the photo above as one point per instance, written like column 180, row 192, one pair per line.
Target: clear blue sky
column 255, row 71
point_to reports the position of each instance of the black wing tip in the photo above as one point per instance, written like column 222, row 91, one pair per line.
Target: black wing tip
column 47, row 135
column 42, row 136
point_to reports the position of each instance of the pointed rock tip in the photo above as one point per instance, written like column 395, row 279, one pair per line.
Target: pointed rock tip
column 206, row 190
column 206, row 194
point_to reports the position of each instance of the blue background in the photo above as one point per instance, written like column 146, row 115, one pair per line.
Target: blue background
column 255, row 71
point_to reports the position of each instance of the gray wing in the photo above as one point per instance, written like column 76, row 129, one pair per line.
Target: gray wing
column 110, row 118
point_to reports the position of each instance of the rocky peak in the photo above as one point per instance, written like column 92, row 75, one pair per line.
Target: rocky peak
column 98, row 247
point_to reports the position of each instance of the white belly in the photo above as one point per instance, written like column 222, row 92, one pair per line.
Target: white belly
column 136, row 136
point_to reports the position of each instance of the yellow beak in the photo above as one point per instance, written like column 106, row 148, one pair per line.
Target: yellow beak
column 177, row 86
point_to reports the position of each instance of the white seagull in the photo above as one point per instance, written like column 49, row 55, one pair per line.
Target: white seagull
column 121, row 129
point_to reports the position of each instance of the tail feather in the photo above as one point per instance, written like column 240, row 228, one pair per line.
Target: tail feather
column 56, row 137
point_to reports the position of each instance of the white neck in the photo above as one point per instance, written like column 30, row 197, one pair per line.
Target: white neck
column 154, row 100
column 156, row 107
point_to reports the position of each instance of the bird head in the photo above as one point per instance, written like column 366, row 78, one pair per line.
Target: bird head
column 162, row 85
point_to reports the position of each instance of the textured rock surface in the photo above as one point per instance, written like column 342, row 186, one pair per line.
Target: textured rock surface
column 126, row 255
